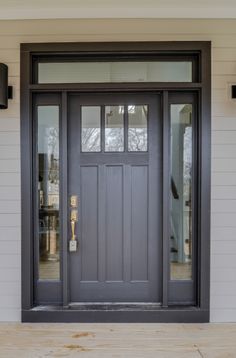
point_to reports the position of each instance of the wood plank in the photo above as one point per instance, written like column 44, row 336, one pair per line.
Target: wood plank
column 225, row 179
column 222, row 219
column 224, row 151
column 223, row 233
column 9, row 179
column 223, row 193
column 118, row 340
column 223, row 206
column 9, row 166
column 223, row 261
column 223, row 165
column 10, row 248
column 224, row 123
column 223, row 137
column 9, row 138
column 161, row 26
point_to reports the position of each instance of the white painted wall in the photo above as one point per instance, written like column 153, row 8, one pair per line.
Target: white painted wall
column 222, row 33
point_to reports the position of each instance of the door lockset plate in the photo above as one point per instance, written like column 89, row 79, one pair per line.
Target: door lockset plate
column 73, row 245
column 74, row 201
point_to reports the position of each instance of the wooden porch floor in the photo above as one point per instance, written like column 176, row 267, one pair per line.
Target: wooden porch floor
column 118, row 340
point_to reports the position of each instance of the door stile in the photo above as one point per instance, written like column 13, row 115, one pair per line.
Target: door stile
column 64, row 202
column 165, row 198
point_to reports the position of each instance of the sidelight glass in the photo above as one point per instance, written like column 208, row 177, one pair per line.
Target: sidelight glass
column 110, row 72
column 48, row 192
column 137, row 128
column 114, row 128
column 91, row 128
column 181, row 238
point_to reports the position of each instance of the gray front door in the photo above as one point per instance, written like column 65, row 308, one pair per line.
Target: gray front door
column 115, row 170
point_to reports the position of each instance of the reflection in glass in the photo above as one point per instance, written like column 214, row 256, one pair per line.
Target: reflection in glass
column 137, row 133
column 181, row 187
column 48, row 192
column 91, row 129
column 114, row 128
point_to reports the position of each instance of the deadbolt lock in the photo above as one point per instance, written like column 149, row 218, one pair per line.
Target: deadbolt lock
column 74, row 201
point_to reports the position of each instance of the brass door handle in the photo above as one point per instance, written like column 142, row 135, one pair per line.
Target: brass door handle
column 73, row 244
column 73, row 236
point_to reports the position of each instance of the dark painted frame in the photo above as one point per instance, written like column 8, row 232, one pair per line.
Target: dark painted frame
column 202, row 50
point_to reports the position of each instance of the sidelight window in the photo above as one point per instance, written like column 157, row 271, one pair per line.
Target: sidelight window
column 181, row 238
column 48, row 192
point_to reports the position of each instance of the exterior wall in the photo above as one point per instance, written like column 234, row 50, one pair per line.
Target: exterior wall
column 223, row 233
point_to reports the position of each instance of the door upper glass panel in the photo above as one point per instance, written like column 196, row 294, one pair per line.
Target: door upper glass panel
column 114, row 128
column 91, row 128
column 137, row 128
column 115, row 72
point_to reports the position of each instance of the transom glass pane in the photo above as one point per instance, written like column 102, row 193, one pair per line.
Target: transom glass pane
column 181, row 188
column 91, row 129
column 114, row 128
column 48, row 192
column 87, row 72
column 137, row 128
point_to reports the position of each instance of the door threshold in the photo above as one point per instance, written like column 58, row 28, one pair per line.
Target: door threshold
column 141, row 313
column 114, row 306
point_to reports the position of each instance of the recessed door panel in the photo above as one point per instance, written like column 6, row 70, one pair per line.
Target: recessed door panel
column 89, row 222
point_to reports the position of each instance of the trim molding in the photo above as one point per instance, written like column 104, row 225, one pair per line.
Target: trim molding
column 124, row 11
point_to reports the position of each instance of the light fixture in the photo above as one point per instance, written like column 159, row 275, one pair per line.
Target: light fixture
column 5, row 90
column 233, row 91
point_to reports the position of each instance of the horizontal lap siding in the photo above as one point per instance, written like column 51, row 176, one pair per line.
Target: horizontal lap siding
column 222, row 33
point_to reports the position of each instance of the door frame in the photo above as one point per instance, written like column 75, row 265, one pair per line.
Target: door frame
column 201, row 51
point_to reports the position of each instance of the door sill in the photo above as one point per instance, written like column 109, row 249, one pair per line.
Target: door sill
column 114, row 306
column 135, row 315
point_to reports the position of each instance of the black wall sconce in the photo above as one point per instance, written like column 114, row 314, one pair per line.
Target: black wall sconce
column 233, row 91
column 5, row 90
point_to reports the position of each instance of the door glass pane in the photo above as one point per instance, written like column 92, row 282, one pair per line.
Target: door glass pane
column 137, row 132
column 114, row 128
column 48, row 192
column 91, row 129
column 85, row 72
column 181, row 188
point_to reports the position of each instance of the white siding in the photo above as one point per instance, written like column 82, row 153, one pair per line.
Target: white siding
column 222, row 33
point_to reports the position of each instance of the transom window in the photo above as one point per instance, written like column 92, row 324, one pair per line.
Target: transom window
column 180, row 70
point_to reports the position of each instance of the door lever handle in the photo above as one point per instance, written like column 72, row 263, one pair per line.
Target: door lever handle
column 73, row 244
column 72, row 222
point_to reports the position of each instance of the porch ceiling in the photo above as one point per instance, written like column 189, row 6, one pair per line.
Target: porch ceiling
column 53, row 9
